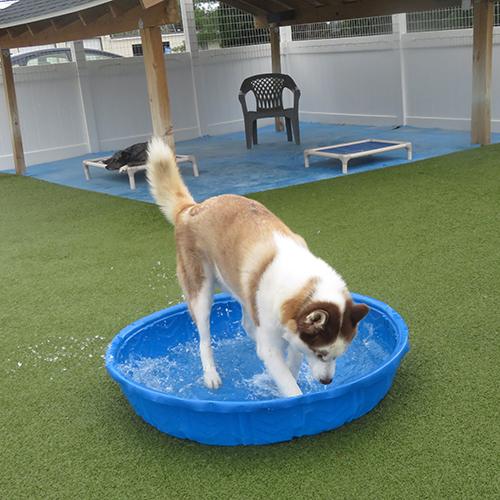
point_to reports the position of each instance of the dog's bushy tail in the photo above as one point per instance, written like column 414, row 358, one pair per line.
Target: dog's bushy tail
column 165, row 181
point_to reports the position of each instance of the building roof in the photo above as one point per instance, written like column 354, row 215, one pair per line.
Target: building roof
column 24, row 23
column 29, row 11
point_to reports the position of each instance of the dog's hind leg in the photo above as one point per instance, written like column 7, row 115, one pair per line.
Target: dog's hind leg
column 198, row 284
column 200, row 306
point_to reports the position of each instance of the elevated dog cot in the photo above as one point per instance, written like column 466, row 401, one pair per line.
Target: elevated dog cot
column 358, row 149
column 132, row 170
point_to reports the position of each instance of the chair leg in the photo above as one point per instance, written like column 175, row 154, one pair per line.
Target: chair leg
column 254, row 131
column 296, row 129
column 248, row 134
column 288, row 129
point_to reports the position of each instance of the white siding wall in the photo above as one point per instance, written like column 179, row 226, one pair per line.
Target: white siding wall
column 439, row 79
column 347, row 81
column 50, row 113
column 342, row 81
column 121, row 107
column 219, row 74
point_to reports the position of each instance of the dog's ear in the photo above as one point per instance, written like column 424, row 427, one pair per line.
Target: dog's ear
column 358, row 312
column 354, row 313
column 314, row 322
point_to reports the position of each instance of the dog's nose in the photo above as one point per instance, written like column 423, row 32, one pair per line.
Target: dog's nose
column 325, row 381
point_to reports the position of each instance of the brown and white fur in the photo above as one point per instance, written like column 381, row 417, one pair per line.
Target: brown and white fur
column 292, row 301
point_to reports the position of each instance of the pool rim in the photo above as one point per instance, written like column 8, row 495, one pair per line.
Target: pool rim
column 204, row 405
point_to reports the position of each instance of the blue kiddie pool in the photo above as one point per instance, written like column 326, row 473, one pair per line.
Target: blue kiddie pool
column 157, row 365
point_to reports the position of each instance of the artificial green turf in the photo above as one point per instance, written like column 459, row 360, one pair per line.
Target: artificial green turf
column 75, row 267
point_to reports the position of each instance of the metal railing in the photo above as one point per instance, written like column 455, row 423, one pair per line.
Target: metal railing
column 219, row 26
column 452, row 18
column 367, row 26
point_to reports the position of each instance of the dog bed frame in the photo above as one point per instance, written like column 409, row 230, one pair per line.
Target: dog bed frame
column 132, row 170
column 349, row 150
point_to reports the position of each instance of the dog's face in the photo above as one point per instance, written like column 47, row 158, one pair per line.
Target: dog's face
column 135, row 154
column 117, row 160
column 322, row 333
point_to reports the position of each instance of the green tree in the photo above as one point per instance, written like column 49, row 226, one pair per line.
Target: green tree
column 207, row 22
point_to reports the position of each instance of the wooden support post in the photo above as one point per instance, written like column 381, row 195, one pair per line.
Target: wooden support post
column 274, row 33
column 159, row 103
column 481, row 72
column 10, row 97
column 146, row 4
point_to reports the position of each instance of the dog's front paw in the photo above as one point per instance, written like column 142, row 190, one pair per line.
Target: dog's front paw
column 292, row 392
column 212, row 379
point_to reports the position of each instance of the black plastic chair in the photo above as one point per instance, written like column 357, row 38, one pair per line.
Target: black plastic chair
column 268, row 91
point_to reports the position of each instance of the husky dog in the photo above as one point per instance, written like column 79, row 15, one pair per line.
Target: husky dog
column 294, row 304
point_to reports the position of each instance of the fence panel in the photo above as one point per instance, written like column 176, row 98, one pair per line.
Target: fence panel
column 368, row 26
column 220, row 26
column 452, row 18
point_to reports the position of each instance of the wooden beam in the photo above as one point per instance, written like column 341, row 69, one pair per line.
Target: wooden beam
column 316, row 3
column 159, row 103
column 481, row 71
column 333, row 10
column 172, row 12
column 10, row 98
column 82, row 19
column 166, row 12
column 113, row 10
column 146, row 4
column 38, row 27
column 281, row 18
column 251, row 7
column 283, row 4
column 119, row 8
column 16, row 31
column 266, row 6
column 64, row 21
column 274, row 34
column 89, row 16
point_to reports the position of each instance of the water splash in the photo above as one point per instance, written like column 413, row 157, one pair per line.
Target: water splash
column 244, row 378
column 60, row 352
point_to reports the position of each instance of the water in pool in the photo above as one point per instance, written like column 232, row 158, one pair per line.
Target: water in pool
column 178, row 370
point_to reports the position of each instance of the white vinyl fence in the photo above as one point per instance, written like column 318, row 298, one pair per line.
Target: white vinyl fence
column 417, row 78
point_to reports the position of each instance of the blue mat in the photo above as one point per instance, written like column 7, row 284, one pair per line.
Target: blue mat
column 226, row 166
